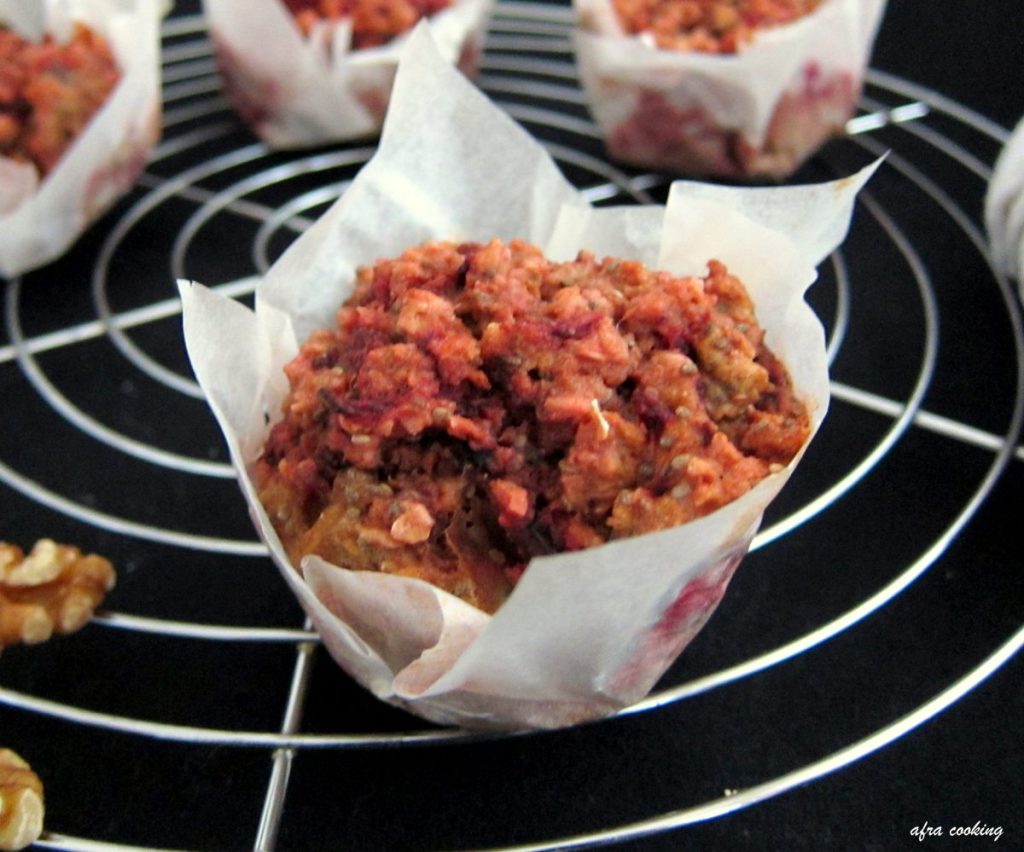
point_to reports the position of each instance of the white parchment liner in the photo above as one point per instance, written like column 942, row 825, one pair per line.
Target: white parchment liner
column 295, row 91
column 1004, row 208
column 585, row 633
column 39, row 221
column 739, row 93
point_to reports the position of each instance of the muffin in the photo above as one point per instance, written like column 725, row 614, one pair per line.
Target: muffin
column 739, row 89
column 311, row 72
column 79, row 114
column 49, row 91
column 430, row 444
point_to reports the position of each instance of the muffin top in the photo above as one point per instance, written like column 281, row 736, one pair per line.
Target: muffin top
column 374, row 22
column 478, row 405
column 49, row 91
column 707, row 26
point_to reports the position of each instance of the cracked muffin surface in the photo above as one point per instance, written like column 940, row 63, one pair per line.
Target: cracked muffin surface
column 478, row 405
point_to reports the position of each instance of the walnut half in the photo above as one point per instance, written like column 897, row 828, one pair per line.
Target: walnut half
column 55, row 589
column 21, row 802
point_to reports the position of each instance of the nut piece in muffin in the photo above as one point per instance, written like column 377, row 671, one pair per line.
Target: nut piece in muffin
column 479, row 405
column 54, row 589
column 49, row 91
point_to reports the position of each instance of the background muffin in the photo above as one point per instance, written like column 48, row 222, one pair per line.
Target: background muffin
column 79, row 115
column 725, row 88
column 310, row 72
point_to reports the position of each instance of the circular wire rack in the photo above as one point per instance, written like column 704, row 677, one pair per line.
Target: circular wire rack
column 208, row 678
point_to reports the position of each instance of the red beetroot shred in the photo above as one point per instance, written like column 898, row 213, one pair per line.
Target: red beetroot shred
column 478, row 405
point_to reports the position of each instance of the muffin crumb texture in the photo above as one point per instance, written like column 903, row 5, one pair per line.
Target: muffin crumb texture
column 707, row 26
column 49, row 91
column 478, row 405
column 374, row 22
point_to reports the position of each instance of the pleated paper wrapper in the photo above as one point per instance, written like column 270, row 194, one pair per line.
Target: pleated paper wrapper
column 40, row 220
column 759, row 113
column 1004, row 208
column 295, row 91
column 585, row 633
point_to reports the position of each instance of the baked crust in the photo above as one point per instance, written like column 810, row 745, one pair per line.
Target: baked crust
column 479, row 405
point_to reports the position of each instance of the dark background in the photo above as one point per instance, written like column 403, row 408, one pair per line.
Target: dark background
column 962, row 767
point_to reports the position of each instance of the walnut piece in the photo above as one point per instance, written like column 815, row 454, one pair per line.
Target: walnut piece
column 53, row 589
column 21, row 802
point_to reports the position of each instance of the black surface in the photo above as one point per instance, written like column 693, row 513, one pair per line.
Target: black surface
column 960, row 768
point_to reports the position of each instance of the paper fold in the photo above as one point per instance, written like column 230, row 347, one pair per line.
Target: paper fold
column 1004, row 208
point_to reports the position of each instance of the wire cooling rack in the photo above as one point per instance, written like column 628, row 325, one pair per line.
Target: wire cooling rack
column 198, row 712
